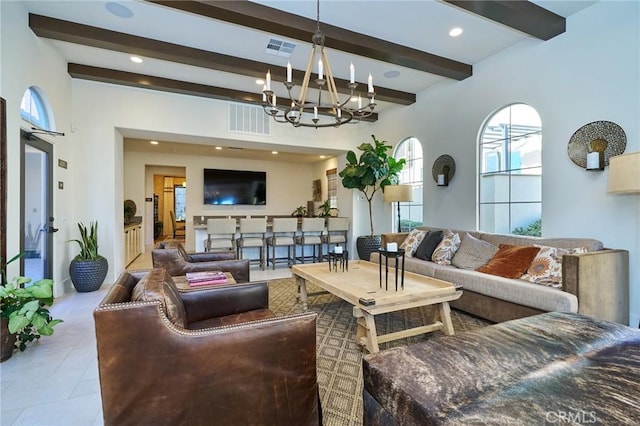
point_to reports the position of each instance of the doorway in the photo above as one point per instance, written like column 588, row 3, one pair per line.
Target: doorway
column 36, row 199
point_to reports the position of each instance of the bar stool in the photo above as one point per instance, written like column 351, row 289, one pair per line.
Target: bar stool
column 252, row 234
column 311, row 235
column 337, row 229
column 283, row 234
column 221, row 235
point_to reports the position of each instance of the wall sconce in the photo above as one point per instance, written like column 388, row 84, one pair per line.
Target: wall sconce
column 591, row 146
column 443, row 170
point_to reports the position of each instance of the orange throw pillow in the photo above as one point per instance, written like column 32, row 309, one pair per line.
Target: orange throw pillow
column 510, row 261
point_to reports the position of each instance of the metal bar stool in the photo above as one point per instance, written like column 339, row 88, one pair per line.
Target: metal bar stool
column 221, row 235
column 311, row 235
column 283, row 234
column 337, row 229
column 252, row 234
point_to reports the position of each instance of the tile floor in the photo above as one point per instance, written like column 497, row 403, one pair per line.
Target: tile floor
column 55, row 381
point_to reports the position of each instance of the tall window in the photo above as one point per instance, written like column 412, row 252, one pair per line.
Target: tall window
column 412, row 174
column 34, row 109
column 332, row 188
column 510, row 184
column 180, row 201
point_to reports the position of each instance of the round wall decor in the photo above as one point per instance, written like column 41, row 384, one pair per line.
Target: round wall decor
column 596, row 136
column 440, row 164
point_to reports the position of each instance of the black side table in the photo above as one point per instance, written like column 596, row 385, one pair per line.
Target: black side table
column 336, row 259
column 398, row 254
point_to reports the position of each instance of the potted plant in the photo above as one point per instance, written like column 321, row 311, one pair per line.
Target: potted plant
column 325, row 209
column 374, row 170
column 23, row 313
column 88, row 269
column 300, row 211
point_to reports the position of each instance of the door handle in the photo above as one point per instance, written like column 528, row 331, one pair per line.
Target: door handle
column 51, row 230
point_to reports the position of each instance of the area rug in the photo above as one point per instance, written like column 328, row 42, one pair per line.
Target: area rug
column 339, row 359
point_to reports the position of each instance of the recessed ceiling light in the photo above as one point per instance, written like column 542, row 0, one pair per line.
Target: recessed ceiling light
column 136, row 59
column 153, row 142
column 455, row 32
column 323, row 156
column 260, row 82
column 274, row 152
column 119, row 10
column 392, row 74
column 218, row 147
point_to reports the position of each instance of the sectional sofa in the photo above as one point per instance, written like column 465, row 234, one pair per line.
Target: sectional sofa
column 595, row 283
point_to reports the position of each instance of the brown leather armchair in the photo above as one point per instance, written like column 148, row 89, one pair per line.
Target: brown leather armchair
column 169, row 356
column 172, row 256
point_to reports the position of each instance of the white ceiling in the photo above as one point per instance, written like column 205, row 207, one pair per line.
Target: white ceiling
column 420, row 24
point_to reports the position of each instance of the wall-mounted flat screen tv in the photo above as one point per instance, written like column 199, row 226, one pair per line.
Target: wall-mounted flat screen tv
column 235, row 187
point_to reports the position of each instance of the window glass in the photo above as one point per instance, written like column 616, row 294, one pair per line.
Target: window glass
column 180, row 200
column 510, row 187
column 412, row 174
column 332, row 188
column 33, row 108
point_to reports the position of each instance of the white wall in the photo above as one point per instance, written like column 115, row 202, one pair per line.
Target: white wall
column 590, row 73
column 29, row 61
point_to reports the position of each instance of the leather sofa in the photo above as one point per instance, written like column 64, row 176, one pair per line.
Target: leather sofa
column 212, row 355
column 172, row 256
column 553, row 368
column 595, row 283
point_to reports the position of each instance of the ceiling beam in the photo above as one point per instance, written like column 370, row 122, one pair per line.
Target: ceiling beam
column 72, row 32
column 275, row 21
column 523, row 16
column 124, row 78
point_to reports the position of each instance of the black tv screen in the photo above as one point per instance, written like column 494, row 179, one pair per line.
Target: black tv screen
column 234, row 187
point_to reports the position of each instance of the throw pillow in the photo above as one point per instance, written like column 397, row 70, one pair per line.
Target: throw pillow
column 413, row 240
column 443, row 254
column 428, row 245
column 473, row 253
column 510, row 261
column 546, row 267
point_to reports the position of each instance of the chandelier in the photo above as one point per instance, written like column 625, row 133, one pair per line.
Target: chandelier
column 326, row 110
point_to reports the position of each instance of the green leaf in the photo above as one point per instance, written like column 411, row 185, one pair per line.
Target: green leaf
column 17, row 322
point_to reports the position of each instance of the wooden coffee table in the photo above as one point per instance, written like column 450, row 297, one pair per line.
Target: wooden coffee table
column 362, row 281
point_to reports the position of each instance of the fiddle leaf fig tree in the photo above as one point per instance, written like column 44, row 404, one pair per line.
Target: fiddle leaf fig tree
column 374, row 170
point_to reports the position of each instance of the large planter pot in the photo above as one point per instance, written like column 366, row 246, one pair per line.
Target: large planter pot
column 367, row 244
column 7, row 340
column 88, row 275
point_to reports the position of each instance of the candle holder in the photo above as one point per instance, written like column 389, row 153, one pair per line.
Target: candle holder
column 443, row 170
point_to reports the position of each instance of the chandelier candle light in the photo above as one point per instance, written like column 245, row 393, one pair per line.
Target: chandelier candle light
column 328, row 110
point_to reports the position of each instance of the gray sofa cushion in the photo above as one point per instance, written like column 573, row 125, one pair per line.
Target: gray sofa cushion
column 523, row 240
column 473, row 253
column 511, row 290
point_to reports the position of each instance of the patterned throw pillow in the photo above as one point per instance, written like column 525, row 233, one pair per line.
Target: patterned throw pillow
column 510, row 261
column 473, row 253
column 428, row 245
column 413, row 240
column 443, row 254
column 546, row 267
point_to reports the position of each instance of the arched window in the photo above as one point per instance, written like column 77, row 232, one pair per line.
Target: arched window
column 35, row 109
column 411, row 212
column 510, row 181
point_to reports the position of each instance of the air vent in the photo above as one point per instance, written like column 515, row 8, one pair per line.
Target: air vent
column 250, row 119
column 280, row 48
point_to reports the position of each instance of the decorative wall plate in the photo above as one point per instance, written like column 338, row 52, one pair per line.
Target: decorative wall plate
column 438, row 165
column 579, row 144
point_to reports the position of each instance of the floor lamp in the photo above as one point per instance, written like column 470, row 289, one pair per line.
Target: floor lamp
column 398, row 194
column 624, row 174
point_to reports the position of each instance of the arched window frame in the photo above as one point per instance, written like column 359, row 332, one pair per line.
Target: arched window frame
column 411, row 213
column 35, row 109
column 510, row 171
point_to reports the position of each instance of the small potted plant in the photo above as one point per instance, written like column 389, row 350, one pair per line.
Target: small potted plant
column 300, row 211
column 88, row 269
column 374, row 170
column 325, row 209
column 23, row 313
